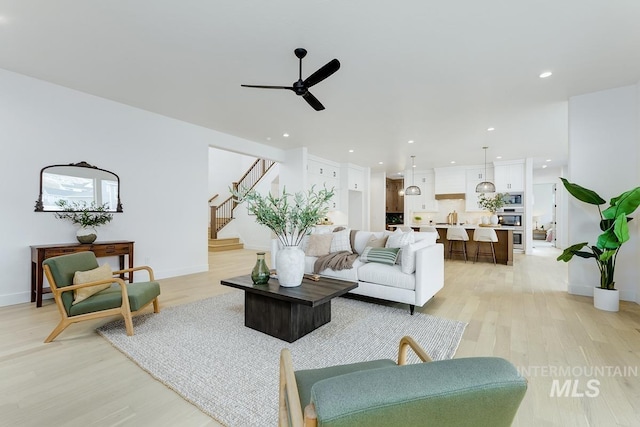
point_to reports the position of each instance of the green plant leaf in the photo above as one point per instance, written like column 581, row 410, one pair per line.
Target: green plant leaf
column 621, row 228
column 583, row 194
column 608, row 240
column 574, row 250
column 626, row 204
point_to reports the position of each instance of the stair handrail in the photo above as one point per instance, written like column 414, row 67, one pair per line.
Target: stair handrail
column 250, row 179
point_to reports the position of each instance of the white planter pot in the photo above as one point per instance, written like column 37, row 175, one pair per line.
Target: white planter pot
column 494, row 219
column 605, row 299
column 86, row 234
column 290, row 266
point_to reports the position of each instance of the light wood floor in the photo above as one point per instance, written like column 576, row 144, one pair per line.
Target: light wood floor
column 521, row 313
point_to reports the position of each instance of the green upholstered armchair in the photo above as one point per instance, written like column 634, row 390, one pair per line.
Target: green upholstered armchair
column 119, row 298
column 474, row 392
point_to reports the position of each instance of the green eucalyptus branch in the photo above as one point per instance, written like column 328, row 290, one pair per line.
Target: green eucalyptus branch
column 289, row 216
column 80, row 213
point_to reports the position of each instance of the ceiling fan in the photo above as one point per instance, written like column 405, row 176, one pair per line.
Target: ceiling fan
column 301, row 87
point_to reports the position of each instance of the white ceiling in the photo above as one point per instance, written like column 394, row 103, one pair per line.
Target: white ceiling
column 439, row 73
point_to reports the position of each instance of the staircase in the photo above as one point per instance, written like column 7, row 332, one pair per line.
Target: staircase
column 222, row 214
column 227, row 244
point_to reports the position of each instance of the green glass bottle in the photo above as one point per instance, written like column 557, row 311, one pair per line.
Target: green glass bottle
column 260, row 272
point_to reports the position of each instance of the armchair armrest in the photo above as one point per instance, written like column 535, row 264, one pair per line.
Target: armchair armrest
column 407, row 342
column 130, row 270
column 290, row 410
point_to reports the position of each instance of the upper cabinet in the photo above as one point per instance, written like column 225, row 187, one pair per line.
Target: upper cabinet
column 450, row 180
column 355, row 179
column 322, row 173
column 509, row 176
column 475, row 177
column 426, row 201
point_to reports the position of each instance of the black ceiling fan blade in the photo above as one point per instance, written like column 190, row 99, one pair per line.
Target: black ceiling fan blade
column 313, row 101
column 325, row 71
column 269, row 87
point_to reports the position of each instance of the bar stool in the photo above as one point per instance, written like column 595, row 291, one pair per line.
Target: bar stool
column 457, row 234
column 430, row 229
column 485, row 235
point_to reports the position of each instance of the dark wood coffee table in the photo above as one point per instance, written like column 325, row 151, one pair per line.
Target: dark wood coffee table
column 288, row 313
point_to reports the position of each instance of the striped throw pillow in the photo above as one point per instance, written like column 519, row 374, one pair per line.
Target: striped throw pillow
column 382, row 255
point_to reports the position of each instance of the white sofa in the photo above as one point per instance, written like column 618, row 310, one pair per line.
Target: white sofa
column 389, row 282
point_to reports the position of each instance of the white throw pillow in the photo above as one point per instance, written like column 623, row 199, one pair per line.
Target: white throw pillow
column 399, row 239
column 408, row 255
column 341, row 241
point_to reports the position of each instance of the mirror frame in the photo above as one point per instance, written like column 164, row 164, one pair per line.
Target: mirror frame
column 40, row 206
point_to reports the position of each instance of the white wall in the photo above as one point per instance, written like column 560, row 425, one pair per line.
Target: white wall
column 162, row 164
column 378, row 207
column 604, row 146
column 226, row 167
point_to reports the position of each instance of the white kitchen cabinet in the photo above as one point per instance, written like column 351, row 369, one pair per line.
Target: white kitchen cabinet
column 321, row 174
column 355, row 179
column 475, row 177
column 450, row 180
column 509, row 176
column 426, row 201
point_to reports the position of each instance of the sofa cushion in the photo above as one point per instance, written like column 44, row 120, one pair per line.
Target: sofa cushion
column 341, row 241
column 382, row 255
column 318, row 244
column 386, row 275
column 349, row 274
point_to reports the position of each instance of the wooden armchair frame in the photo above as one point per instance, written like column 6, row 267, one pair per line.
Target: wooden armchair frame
column 290, row 407
column 124, row 310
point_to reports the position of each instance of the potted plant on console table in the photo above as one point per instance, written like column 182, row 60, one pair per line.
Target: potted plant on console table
column 88, row 217
column 290, row 217
column 615, row 231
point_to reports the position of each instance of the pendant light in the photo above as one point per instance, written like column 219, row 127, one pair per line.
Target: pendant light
column 412, row 190
column 485, row 186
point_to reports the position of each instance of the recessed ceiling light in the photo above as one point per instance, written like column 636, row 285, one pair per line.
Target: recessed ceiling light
column 491, row 129
column 545, row 74
column 548, row 160
column 286, row 135
column 399, row 173
column 453, row 162
column 498, row 157
column 268, row 138
column 410, row 141
column 544, row 166
column 351, row 151
column 381, row 163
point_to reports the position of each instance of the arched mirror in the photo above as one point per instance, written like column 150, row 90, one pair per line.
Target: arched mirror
column 78, row 183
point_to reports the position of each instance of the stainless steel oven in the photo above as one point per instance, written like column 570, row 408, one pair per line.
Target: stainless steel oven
column 513, row 217
column 514, row 200
column 518, row 238
column 510, row 219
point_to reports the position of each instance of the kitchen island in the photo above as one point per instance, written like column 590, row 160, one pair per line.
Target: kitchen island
column 503, row 247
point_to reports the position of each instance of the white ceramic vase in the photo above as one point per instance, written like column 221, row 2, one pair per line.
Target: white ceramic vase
column 494, row 219
column 86, row 234
column 484, row 220
column 290, row 266
column 606, row 299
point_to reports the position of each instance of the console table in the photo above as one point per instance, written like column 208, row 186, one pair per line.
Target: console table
column 39, row 253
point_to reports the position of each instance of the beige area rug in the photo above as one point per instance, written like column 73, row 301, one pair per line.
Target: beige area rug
column 203, row 352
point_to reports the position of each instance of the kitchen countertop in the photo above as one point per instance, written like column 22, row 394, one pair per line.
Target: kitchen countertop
column 467, row 226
